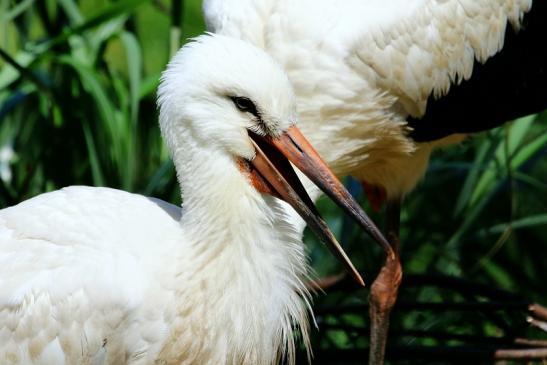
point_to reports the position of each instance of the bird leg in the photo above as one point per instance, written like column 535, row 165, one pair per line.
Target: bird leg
column 383, row 292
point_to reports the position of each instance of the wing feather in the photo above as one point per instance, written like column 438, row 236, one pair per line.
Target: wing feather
column 75, row 264
column 433, row 46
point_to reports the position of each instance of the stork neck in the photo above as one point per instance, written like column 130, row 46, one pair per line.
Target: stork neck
column 253, row 292
column 217, row 194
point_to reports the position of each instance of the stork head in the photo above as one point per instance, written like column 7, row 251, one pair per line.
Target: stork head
column 232, row 97
column 222, row 87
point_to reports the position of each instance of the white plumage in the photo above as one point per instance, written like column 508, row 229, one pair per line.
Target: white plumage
column 360, row 68
column 102, row 276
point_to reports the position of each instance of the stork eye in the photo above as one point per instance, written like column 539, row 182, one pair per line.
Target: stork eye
column 245, row 105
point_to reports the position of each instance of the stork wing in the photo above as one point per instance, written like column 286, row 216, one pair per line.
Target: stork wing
column 434, row 45
column 72, row 270
column 59, row 242
column 510, row 85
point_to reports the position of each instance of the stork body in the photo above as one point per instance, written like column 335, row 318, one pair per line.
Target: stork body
column 101, row 276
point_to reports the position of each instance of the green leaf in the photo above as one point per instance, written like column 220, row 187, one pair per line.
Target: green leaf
column 485, row 153
column 529, row 150
column 158, row 180
column 96, row 171
column 134, row 69
column 71, row 10
column 515, row 134
column 16, row 11
column 149, row 85
column 107, row 112
column 526, row 222
column 9, row 74
column 120, row 8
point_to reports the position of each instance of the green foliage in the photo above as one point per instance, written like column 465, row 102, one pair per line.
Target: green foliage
column 77, row 106
column 77, row 98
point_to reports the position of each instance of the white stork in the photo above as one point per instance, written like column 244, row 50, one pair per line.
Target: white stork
column 102, row 276
column 365, row 72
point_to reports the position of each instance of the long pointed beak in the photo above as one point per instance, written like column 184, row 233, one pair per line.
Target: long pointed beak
column 277, row 177
column 301, row 153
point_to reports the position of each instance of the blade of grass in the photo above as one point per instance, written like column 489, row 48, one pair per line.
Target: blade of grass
column 105, row 108
column 16, row 11
column 134, row 69
column 516, row 133
column 120, row 8
column 72, row 12
column 160, row 178
column 149, row 85
column 526, row 222
column 19, row 67
column 96, row 171
column 525, row 153
column 177, row 7
column 541, row 186
column 485, row 153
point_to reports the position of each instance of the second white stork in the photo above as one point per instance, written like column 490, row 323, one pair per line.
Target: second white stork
column 364, row 73
column 102, row 276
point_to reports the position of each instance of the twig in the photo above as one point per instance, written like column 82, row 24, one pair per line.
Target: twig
column 538, row 311
column 536, row 323
column 526, row 354
column 531, row 343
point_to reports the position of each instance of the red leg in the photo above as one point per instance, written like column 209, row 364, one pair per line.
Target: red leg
column 384, row 289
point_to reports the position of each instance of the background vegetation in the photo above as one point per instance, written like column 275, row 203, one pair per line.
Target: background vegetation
column 77, row 106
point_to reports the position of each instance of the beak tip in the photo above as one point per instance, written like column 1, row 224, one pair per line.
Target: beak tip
column 388, row 249
column 357, row 277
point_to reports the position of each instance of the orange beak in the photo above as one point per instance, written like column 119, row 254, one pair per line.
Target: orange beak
column 273, row 174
